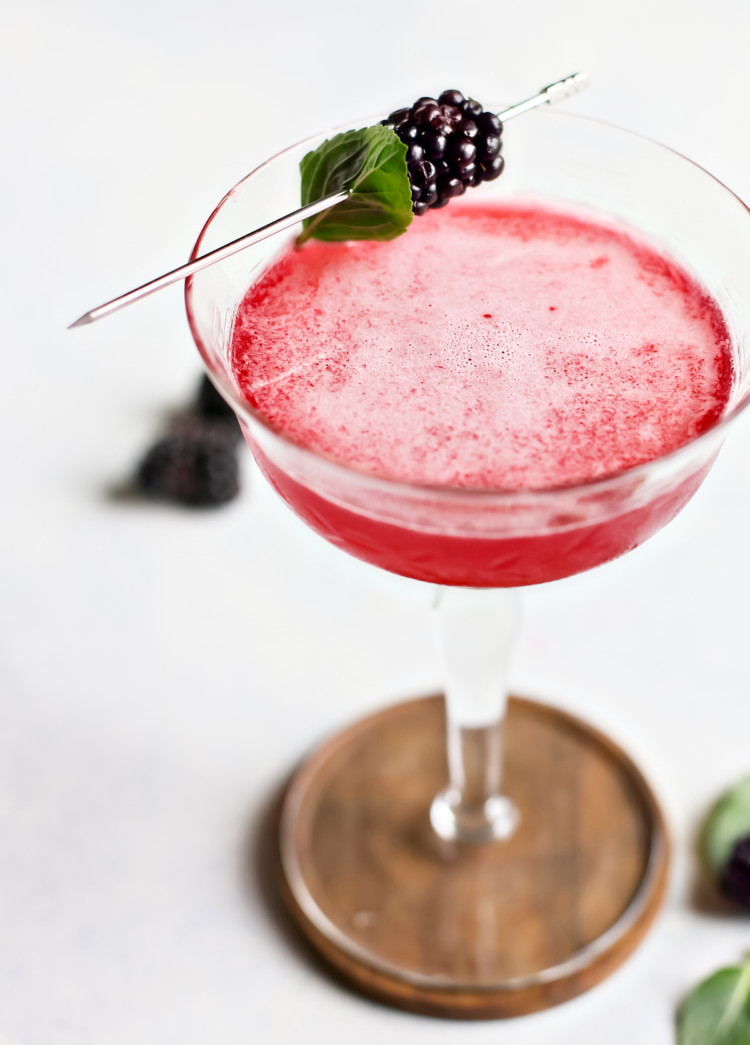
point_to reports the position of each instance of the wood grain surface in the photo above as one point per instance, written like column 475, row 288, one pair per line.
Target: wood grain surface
column 472, row 931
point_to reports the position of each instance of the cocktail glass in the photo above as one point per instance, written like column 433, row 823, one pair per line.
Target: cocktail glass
column 440, row 864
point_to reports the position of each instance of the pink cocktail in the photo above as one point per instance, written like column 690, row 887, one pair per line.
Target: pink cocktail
column 494, row 348
column 483, row 419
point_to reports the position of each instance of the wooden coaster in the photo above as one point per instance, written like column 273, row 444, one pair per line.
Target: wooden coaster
column 467, row 931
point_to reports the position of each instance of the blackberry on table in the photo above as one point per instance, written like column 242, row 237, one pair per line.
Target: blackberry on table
column 209, row 402
column 210, row 405
column 735, row 880
column 452, row 143
column 194, row 465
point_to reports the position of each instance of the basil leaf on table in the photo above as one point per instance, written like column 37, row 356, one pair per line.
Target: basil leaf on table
column 371, row 162
column 717, row 1012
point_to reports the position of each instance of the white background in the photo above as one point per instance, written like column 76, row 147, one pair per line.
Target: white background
column 161, row 671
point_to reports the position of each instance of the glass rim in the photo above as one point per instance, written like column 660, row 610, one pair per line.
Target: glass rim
column 400, row 486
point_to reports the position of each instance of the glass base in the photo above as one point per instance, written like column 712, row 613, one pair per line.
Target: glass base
column 494, row 928
column 454, row 821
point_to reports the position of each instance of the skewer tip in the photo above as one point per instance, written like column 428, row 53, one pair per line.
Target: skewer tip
column 82, row 321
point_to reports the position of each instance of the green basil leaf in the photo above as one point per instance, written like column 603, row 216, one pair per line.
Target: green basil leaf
column 371, row 162
column 727, row 822
column 717, row 1012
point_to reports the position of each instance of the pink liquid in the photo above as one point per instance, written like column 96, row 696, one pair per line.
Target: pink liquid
column 495, row 347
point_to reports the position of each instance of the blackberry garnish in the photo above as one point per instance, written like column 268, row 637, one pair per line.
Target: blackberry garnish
column 194, row 465
column 735, row 880
column 451, row 144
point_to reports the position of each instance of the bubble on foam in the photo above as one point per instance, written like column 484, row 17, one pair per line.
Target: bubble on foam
column 438, row 357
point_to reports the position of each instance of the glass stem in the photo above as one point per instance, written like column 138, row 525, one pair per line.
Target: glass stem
column 475, row 629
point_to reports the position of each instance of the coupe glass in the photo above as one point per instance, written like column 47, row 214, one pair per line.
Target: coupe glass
column 461, row 892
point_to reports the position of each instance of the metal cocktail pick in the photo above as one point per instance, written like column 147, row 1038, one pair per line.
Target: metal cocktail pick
column 554, row 92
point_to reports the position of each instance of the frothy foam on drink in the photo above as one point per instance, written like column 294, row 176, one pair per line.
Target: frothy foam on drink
column 491, row 346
